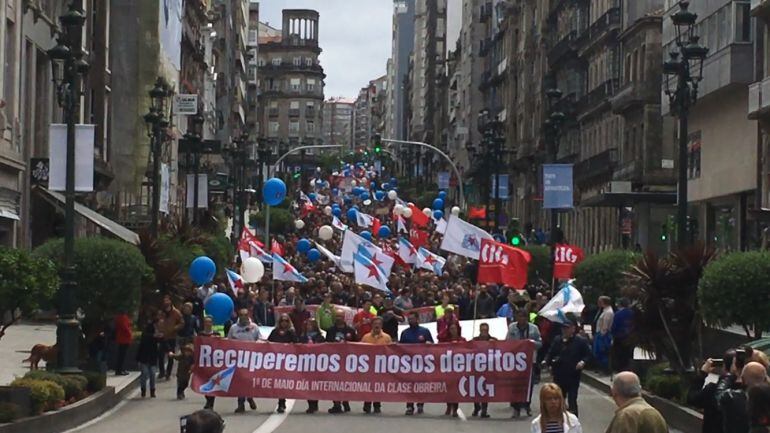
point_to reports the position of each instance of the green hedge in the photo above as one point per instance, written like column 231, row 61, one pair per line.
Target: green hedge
column 74, row 385
column 96, row 381
column 734, row 290
column 109, row 274
column 45, row 394
column 27, row 282
column 541, row 266
column 9, row 412
column 603, row 274
column 666, row 384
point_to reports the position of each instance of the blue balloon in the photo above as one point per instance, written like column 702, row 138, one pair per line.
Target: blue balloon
column 380, row 195
column 386, row 186
column 319, row 182
column 303, row 245
column 220, row 307
column 352, row 214
column 337, row 212
column 335, row 191
column 384, row 232
column 355, row 207
column 393, row 181
column 366, row 235
column 438, row 214
column 373, row 185
column 274, row 191
column 438, row 204
column 364, row 195
column 347, row 200
column 314, row 255
column 311, row 196
column 442, row 195
column 202, row 270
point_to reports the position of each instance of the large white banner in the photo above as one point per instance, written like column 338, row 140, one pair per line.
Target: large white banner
column 84, row 157
column 165, row 187
column 203, row 191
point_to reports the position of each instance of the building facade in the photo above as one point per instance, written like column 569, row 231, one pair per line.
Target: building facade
column 291, row 82
column 398, row 72
column 759, row 109
column 338, row 114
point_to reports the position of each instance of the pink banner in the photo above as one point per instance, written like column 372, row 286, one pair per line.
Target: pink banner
column 491, row 371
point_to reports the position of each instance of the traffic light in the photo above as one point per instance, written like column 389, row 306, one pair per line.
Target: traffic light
column 377, row 140
column 377, row 149
column 517, row 239
column 664, row 232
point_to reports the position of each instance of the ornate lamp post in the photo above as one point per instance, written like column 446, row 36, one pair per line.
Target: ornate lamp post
column 553, row 129
column 68, row 68
column 493, row 140
column 683, row 71
column 194, row 140
column 157, row 122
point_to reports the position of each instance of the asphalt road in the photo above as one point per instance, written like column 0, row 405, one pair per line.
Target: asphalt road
column 161, row 415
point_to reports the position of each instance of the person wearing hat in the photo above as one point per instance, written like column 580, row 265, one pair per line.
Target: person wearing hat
column 567, row 358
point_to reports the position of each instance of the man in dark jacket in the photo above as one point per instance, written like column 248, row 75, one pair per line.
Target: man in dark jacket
column 339, row 333
column 567, row 358
column 264, row 314
column 484, row 304
column 704, row 396
column 732, row 398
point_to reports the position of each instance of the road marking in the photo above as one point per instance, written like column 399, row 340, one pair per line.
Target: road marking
column 461, row 415
column 105, row 414
column 275, row 420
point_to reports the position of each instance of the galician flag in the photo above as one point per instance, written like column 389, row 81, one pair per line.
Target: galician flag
column 428, row 260
column 339, row 225
column 353, row 243
column 368, row 273
column 463, row 238
column 364, row 220
column 406, row 251
column 379, row 257
column 218, row 382
column 566, row 300
column 284, row 271
column 330, row 255
column 401, row 225
column 235, row 280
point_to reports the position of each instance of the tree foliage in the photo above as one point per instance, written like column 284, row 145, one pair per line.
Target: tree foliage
column 736, row 290
column 25, row 282
column 541, row 266
column 666, row 318
column 109, row 274
column 281, row 220
column 603, row 274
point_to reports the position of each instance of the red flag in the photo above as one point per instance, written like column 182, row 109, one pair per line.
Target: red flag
column 503, row 264
column 387, row 248
column 376, row 224
column 276, row 247
column 248, row 237
column 419, row 218
column 477, row 213
column 417, row 237
column 565, row 258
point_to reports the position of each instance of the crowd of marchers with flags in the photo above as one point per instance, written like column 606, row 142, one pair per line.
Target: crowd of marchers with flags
column 363, row 263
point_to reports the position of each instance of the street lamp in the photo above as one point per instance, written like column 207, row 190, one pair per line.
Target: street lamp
column 683, row 71
column 157, row 122
column 68, row 68
column 194, row 140
column 238, row 157
column 552, row 127
column 493, row 140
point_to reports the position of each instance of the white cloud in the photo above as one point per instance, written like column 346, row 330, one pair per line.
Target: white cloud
column 355, row 36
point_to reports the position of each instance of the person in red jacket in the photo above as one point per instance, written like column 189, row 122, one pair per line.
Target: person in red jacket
column 123, row 339
column 451, row 335
column 362, row 321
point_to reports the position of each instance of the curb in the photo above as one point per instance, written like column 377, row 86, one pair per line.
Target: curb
column 678, row 417
column 73, row 415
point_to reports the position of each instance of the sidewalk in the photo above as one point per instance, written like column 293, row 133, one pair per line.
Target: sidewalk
column 16, row 344
column 19, row 339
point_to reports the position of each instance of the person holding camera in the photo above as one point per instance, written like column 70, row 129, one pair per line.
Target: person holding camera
column 703, row 395
column 567, row 358
column 731, row 391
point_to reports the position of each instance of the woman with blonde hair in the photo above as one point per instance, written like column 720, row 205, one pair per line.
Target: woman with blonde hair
column 554, row 417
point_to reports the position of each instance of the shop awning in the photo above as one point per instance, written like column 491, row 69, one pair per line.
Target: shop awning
column 100, row 220
column 619, row 199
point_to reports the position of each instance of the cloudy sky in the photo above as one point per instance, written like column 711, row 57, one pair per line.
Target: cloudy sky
column 355, row 38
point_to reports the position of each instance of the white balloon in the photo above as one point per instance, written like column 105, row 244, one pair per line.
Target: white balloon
column 325, row 233
column 252, row 270
column 367, row 202
column 328, row 210
column 299, row 224
column 392, row 194
column 427, row 211
column 398, row 209
column 354, row 183
column 407, row 212
column 456, row 211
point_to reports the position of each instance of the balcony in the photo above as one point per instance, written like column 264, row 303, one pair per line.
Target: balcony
column 759, row 99
column 271, row 68
column 484, row 46
column 597, row 97
column 485, row 12
column 486, row 78
column 562, row 48
column 294, row 112
column 760, row 8
column 606, row 23
column 273, row 112
column 601, row 164
column 635, row 94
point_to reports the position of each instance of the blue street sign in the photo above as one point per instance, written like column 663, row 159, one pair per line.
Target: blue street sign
column 557, row 186
column 503, row 187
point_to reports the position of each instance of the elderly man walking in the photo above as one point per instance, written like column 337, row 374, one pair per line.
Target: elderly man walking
column 633, row 415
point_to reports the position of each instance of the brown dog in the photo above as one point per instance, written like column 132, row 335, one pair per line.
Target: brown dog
column 41, row 352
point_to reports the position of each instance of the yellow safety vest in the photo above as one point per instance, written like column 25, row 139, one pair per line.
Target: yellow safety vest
column 440, row 310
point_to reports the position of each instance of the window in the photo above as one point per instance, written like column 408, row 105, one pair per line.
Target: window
column 297, row 61
column 294, row 84
column 293, row 129
column 277, row 61
column 742, row 22
column 724, row 27
column 310, row 85
column 274, row 127
column 308, row 61
column 294, row 105
column 260, row 62
column 9, row 72
column 642, row 62
column 252, row 73
column 252, row 37
column 310, row 127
